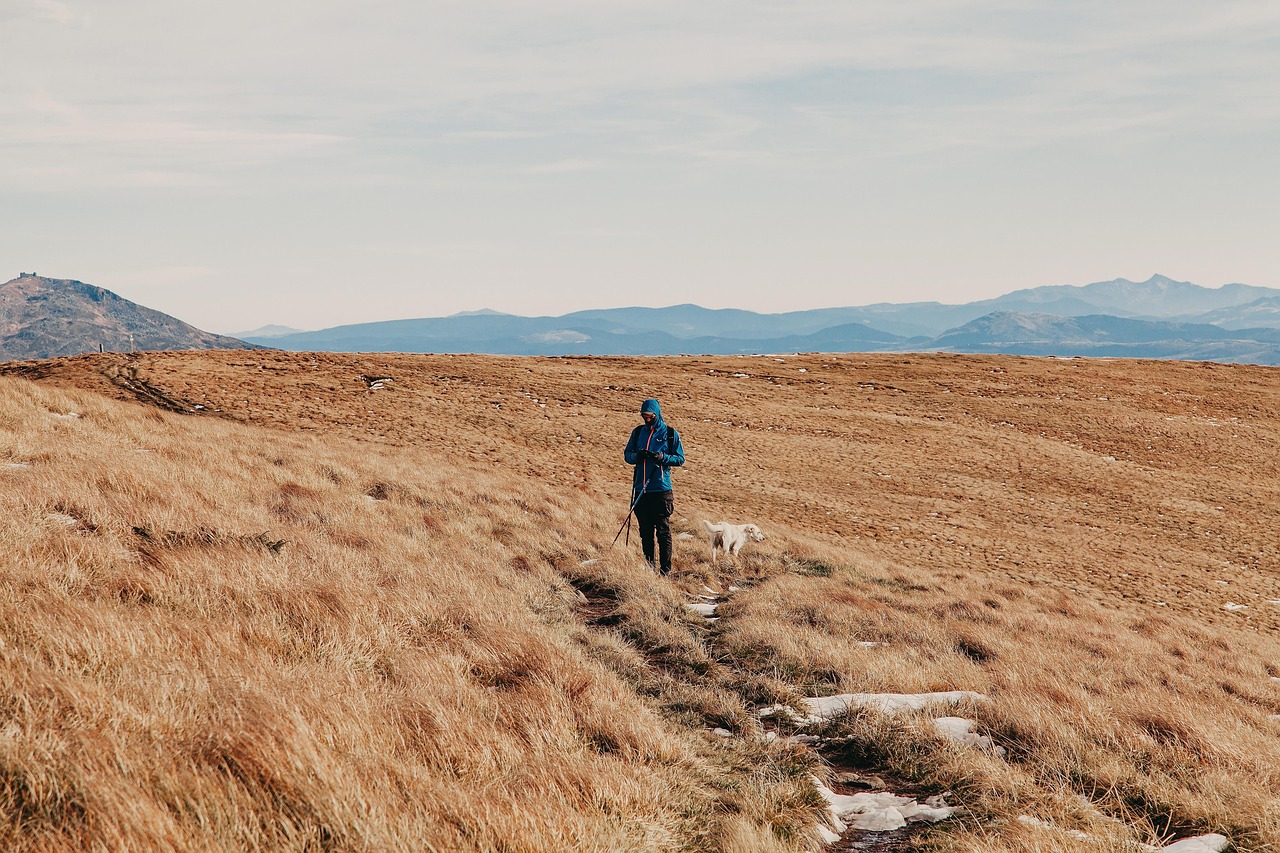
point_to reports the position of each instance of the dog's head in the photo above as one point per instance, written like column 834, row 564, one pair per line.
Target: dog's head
column 756, row 534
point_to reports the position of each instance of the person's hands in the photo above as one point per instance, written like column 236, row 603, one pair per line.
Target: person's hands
column 658, row 457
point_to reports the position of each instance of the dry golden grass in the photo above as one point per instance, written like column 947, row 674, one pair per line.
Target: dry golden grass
column 416, row 666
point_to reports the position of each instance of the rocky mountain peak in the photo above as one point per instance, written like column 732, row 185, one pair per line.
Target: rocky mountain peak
column 42, row 317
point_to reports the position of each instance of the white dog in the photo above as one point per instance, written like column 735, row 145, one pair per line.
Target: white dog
column 730, row 537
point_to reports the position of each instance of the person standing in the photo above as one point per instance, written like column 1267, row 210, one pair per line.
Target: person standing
column 654, row 449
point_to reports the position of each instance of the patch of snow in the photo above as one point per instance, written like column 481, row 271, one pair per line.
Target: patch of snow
column 1108, row 459
column 1233, row 607
column 68, row 416
column 828, row 836
column 961, row 731
column 18, row 465
column 1273, row 601
column 707, row 610
column 741, row 375
column 870, row 644
column 807, row 740
column 735, row 589
column 588, row 562
column 880, row 812
column 824, row 708
column 1033, row 821
column 684, row 537
column 1211, row 843
column 63, row 518
column 710, row 590
column 721, row 732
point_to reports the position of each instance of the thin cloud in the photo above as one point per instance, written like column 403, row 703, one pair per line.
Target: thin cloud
column 567, row 165
column 757, row 141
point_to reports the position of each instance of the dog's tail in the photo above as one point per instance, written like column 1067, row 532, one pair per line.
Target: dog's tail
column 715, row 534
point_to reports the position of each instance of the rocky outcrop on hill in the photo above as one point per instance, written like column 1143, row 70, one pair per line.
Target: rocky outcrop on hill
column 48, row 317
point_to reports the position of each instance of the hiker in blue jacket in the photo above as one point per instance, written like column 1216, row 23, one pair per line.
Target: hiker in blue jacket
column 654, row 448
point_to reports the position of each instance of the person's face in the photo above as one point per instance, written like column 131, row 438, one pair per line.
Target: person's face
column 649, row 417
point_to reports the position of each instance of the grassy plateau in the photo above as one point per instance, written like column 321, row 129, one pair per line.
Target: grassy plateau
column 293, row 601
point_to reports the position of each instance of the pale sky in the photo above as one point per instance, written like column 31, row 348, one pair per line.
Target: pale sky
column 317, row 163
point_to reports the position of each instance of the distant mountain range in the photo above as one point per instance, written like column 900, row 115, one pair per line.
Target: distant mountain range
column 48, row 317
column 1156, row 318
column 268, row 331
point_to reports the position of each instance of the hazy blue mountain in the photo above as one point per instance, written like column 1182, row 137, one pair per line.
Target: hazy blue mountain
column 510, row 335
column 1158, row 296
column 1103, row 335
column 1260, row 312
column 694, row 321
column 1120, row 317
column 847, row 337
column 268, row 331
column 1157, row 318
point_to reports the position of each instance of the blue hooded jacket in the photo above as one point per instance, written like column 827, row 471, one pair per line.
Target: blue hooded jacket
column 653, row 475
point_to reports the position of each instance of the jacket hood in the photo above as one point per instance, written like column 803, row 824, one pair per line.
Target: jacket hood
column 651, row 405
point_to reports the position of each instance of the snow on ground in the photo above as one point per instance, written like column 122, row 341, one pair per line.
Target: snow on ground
column 1212, row 843
column 707, row 610
column 880, row 812
column 67, row 416
column 684, row 536
column 961, row 731
column 824, row 708
column 1034, row 821
column 807, row 740
column 1232, row 607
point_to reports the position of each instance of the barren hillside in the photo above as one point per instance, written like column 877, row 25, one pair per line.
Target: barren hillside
column 42, row 317
column 350, row 601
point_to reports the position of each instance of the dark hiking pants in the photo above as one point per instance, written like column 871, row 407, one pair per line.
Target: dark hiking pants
column 654, row 514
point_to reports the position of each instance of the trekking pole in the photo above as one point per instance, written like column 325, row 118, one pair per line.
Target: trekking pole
column 626, row 522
